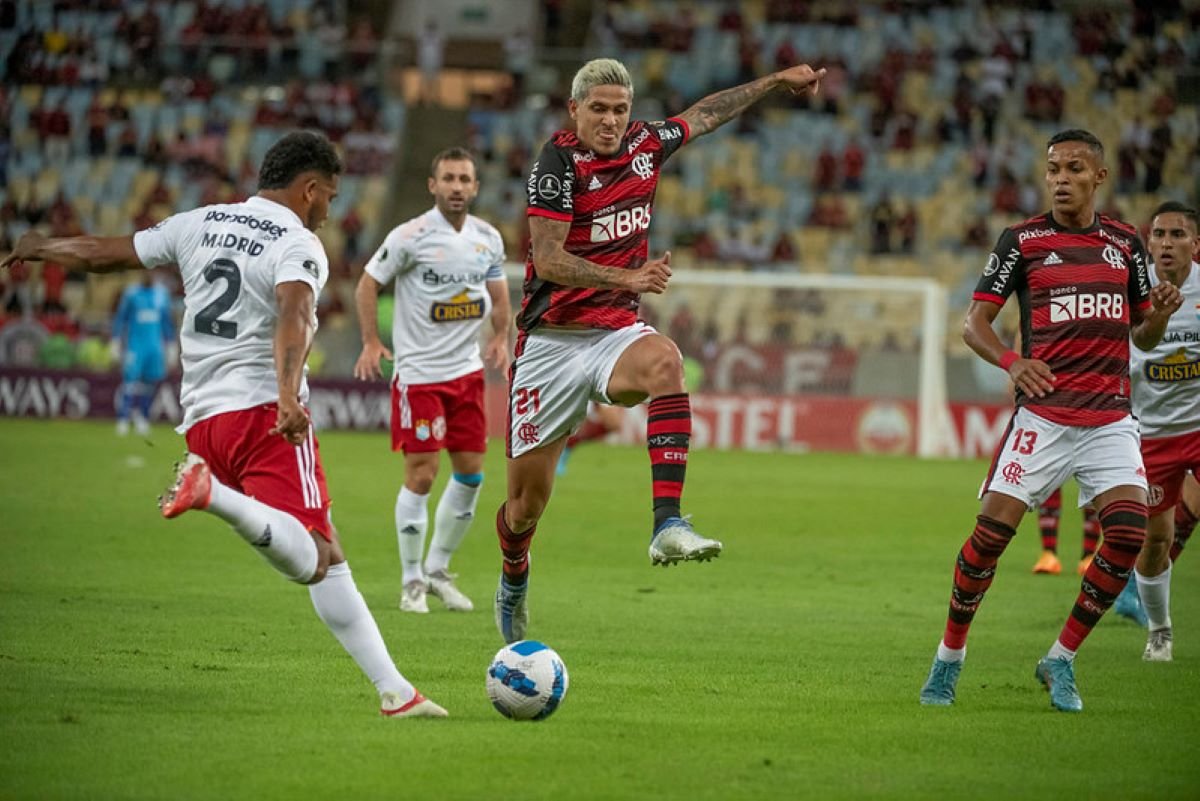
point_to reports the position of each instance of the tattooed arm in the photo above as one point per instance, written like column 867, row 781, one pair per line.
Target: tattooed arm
column 553, row 263
column 719, row 108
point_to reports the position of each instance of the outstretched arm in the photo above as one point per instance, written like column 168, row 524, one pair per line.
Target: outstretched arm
column 93, row 254
column 719, row 108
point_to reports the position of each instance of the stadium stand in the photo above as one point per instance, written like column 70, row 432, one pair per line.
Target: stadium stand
column 912, row 159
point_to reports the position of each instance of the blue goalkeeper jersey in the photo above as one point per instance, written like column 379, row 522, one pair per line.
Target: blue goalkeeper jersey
column 143, row 319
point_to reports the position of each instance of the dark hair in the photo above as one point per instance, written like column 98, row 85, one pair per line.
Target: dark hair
column 296, row 153
column 1175, row 207
column 1078, row 135
column 452, row 154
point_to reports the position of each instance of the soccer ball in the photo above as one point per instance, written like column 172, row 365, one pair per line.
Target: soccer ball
column 527, row 681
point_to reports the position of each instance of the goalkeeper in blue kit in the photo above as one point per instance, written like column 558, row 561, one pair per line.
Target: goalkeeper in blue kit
column 143, row 336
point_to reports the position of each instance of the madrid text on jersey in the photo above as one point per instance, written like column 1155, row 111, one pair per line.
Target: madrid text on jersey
column 241, row 244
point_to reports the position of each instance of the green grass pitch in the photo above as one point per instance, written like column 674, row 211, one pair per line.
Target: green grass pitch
column 151, row 659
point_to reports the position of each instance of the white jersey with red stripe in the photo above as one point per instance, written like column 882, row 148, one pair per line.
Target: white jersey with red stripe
column 1166, row 379
column 231, row 257
column 441, row 276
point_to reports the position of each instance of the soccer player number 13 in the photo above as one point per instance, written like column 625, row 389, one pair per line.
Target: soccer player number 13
column 1024, row 440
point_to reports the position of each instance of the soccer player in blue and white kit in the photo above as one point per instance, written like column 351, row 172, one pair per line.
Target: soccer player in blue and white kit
column 143, row 333
column 252, row 272
column 1166, row 401
column 448, row 269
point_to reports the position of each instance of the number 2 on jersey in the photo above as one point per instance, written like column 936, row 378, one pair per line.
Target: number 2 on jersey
column 529, row 399
column 208, row 319
column 1024, row 440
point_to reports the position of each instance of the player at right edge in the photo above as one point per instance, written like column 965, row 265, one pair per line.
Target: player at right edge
column 1081, row 282
column 1166, row 401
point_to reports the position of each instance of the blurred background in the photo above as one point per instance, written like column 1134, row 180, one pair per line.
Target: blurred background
column 927, row 139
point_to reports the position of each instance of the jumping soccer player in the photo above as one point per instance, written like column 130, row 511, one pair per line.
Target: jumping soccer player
column 251, row 275
column 1082, row 283
column 448, row 266
column 591, row 192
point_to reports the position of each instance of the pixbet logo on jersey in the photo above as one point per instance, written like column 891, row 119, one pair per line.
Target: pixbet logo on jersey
column 618, row 224
column 1087, row 306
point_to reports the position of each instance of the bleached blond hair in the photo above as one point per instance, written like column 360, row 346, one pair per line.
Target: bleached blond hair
column 600, row 72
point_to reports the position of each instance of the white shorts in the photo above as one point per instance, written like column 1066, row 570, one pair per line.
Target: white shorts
column 554, row 378
column 1036, row 456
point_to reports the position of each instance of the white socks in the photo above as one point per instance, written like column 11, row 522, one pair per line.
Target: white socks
column 951, row 654
column 280, row 538
column 341, row 607
column 1059, row 651
column 412, row 519
column 1155, row 592
column 455, row 511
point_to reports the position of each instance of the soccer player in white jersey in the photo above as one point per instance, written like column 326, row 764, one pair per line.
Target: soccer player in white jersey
column 448, row 270
column 251, row 275
column 1166, row 401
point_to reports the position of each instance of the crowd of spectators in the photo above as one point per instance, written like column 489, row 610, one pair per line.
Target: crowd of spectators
column 918, row 146
column 923, row 103
column 102, row 131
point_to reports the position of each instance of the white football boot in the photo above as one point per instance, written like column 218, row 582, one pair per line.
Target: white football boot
column 412, row 597
column 676, row 541
column 1158, row 646
column 441, row 585
column 419, row 707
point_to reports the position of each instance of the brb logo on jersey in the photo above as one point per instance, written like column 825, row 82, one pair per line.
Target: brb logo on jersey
column 619, row 224
column 1074, row 305
column 460, row 307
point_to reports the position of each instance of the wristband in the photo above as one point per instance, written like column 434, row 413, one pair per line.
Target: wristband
column 1006, row 361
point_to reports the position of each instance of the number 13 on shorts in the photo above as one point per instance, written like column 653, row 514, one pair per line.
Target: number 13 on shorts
column 1023, row 440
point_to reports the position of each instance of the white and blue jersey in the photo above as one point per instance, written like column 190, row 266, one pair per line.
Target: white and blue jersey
column 143, row 323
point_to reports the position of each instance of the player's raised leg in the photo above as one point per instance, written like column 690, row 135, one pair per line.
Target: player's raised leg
column 277, row 536
column 652, row 367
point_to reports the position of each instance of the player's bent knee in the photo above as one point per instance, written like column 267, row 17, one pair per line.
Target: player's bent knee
column 324, row 558
column 663, row 372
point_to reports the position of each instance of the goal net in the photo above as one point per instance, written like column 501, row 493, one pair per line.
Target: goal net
column 808, row 362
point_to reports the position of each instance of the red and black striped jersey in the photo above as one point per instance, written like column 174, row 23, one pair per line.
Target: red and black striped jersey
column 607, row 200
column 1075, row 288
